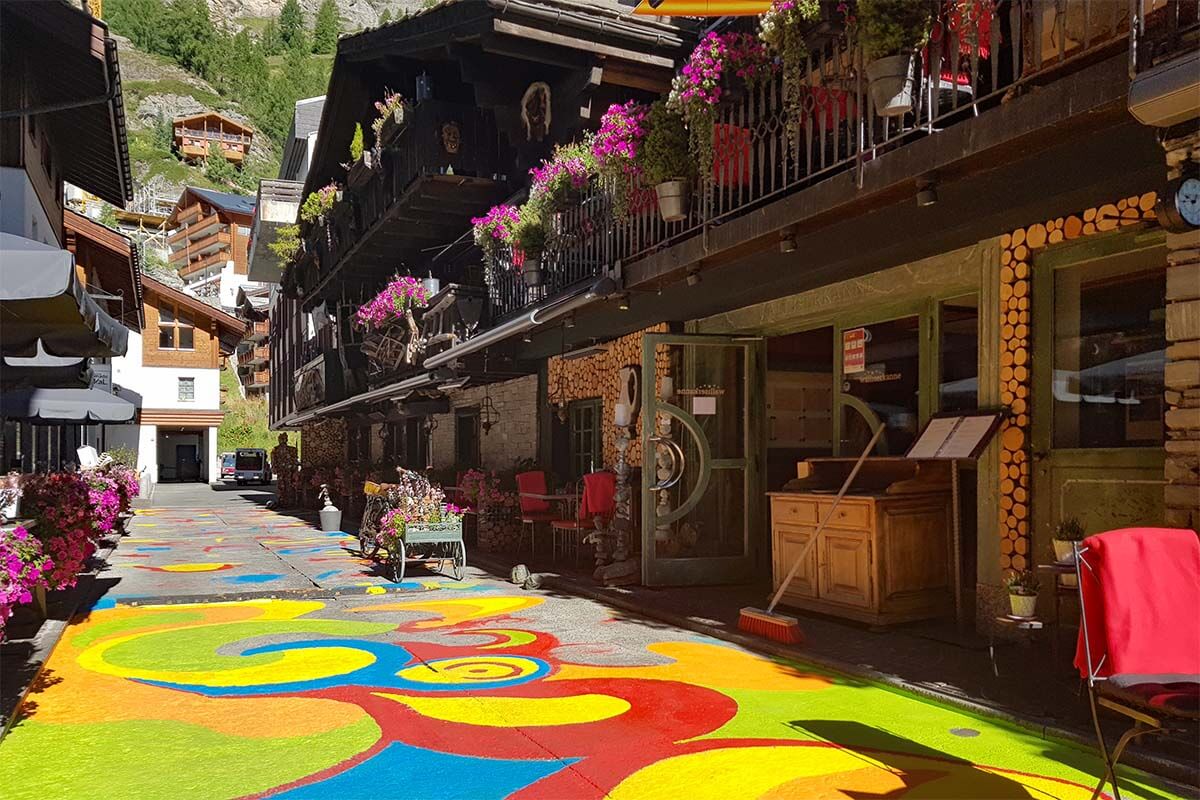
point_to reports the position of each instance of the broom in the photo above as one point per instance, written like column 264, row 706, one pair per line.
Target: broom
column 781, row 627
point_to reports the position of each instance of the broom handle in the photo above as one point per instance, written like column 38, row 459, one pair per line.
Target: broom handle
column 812, row 542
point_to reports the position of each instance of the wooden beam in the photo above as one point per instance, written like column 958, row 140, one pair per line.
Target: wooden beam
column 574, row 43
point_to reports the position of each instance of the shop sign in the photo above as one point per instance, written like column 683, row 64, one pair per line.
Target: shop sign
column 854, row 351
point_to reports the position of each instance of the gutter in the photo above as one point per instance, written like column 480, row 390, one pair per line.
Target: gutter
column 415, row 382
column 601, row 289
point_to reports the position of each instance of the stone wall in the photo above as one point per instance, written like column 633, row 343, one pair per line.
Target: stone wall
column 514, row 435
column 1182, row 371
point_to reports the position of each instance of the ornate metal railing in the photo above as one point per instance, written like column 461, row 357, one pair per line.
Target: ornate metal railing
column 1162, row 31
column 964, row 71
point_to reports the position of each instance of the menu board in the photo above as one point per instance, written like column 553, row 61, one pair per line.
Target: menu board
column 955, row 436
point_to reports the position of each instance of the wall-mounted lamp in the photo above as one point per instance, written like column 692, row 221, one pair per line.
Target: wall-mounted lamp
column 693, row 278
column 526, row 337
column 623, row 302
column 926, row 193
column 787, row 241
column 569, row 321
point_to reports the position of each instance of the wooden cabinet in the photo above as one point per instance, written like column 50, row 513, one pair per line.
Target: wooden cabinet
column 882, row 558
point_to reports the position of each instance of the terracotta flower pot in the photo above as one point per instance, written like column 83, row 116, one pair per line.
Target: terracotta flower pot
column 892, row 79
column 673, row 200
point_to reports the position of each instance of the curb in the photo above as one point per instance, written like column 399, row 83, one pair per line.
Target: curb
column 1183, row 776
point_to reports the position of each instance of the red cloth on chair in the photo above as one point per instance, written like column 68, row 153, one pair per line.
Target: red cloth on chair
column 599, row 496
column 1141, row 596
column 532, row 483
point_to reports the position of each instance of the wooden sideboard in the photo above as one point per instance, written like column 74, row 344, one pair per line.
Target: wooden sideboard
column 885, row 557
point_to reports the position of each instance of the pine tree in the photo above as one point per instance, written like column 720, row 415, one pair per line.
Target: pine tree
column 291, row 25
column 325, row 30
column 270, row 39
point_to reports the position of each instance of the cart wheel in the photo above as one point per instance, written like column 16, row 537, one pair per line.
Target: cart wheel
column 368, row 545
column 398, row 563
column 458, row 562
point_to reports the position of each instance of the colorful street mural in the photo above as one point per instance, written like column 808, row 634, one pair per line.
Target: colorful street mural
column 484, row 695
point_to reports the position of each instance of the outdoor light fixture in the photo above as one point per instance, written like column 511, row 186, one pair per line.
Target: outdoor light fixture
column 623, row 302
column 526, row 337
column 787, row 241
column 926, row 193
column 693, row 278
column 458, row 383
column 569, row 322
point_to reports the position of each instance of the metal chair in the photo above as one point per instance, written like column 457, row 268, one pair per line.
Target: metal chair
column 533, row 510
column 598, row 504
column 1139, row 644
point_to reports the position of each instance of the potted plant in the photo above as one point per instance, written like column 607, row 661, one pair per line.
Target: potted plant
column 666, row 164
column 561, row 178
column 390, row 121
column 1067, row 534
column 358, row 171
column 318, row 205
column 1022, row 588
column 782, row 28
column 891, row 32
column 494, row 230
column 615, row 149
column 720, row 67
column 529, row 241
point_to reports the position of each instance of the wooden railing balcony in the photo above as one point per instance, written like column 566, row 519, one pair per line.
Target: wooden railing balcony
column 436, row 173
column 192, row 230
column 836, row 130
column 212, row 135
column 187, row 268
column 202, row 247
column 260, row 379
column 259, row 330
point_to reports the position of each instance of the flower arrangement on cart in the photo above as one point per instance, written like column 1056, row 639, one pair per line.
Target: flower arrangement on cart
column 421, row 526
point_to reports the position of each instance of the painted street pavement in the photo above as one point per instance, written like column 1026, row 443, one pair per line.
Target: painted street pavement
column 483, row 695
column 185, row 682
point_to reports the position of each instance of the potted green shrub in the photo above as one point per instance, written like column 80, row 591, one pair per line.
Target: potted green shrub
column 891, row 32
column 358, row 171
column 1023, row 588
column 1066, row 535
column 529, row 241
column 666, row 164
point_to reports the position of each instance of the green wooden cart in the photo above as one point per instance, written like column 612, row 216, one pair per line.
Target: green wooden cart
column 431, row 542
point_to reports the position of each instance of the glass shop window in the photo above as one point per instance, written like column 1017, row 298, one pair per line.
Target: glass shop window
column 1109, row 354
column 958, row 387
column 881, row 366
column 466, row 439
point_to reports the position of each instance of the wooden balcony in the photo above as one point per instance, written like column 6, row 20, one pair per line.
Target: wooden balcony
column 261, row 379
column 189, row 268
column 210, row 244
column 259, row 331
column 194, row 228
column 422, row 195
column 839, row 131
column 259, row 355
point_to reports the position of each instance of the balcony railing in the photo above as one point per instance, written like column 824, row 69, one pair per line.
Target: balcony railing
column 191, row 230
column 837, row 129
column 260, row 379
column 259, row 330
column 424, row 148
column 198, row 133
column 1162, row 31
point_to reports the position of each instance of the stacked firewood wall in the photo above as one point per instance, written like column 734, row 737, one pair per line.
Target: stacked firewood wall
column 1016, row 256
column 586, row 378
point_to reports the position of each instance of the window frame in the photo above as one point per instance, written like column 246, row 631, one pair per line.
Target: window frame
column 180, row 382
column 576, row 433
column 468, row 417
column 175, row 326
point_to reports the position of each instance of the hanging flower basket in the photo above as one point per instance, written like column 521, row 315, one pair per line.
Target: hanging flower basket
column 674, row 200
column 892, row 81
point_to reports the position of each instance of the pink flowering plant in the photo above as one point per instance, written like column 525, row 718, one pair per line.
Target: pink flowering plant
column 414, row 500
column 715, row 68
column 386, row 109
column 401, row 293
column 104, row 498
column 482, row 491
column 23, row 568
column 62, row 505
column 569, row 169
column 782, row 29
column 493, row 231
column 615, row 149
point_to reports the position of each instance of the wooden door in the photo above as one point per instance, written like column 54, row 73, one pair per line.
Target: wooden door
column 845, row 575
column 790, row 540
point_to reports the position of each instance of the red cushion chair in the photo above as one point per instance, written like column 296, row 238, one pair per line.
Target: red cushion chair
column 533, row 510
column 1139, row 643
column 598, row 501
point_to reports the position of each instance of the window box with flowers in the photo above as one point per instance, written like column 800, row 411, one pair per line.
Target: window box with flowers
column 320, row 204
column 362, row 162
column 615, row 149
column 389, row 123
column 391, row 336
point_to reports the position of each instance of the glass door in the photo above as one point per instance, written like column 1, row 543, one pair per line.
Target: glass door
column 702, row 503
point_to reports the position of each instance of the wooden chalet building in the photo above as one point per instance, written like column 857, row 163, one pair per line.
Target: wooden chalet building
column 201, row 136
column 210, row 241
column 1003, row 246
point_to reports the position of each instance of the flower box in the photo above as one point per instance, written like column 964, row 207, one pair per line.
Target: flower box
column 361, row 170
column 392, row 125
column 432, row 532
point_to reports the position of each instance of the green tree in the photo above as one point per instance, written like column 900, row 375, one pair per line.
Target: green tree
column 291, row 25
column 164, row 136
column 356, row 144
column 271, row 40
column 325, row 29
column 188, row 35
column 137, row 19
column 218, row 170
column 385, row 17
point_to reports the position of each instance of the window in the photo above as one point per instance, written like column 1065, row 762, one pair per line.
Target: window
column 466, row 438
column 416, row 444
column 1109, row 356
column 393, row 443
column 187, row 390
column 958, row 388
column 358, row 449
column 886, row 379
column 175, row 329
column 585, row 437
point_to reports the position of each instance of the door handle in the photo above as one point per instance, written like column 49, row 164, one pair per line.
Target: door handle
column 678, row 463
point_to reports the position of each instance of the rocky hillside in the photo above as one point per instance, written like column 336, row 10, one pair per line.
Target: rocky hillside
column 356, row 14
column 156, row 91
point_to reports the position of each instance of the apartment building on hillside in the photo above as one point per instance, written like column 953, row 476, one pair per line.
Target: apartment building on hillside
column 210, row 242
